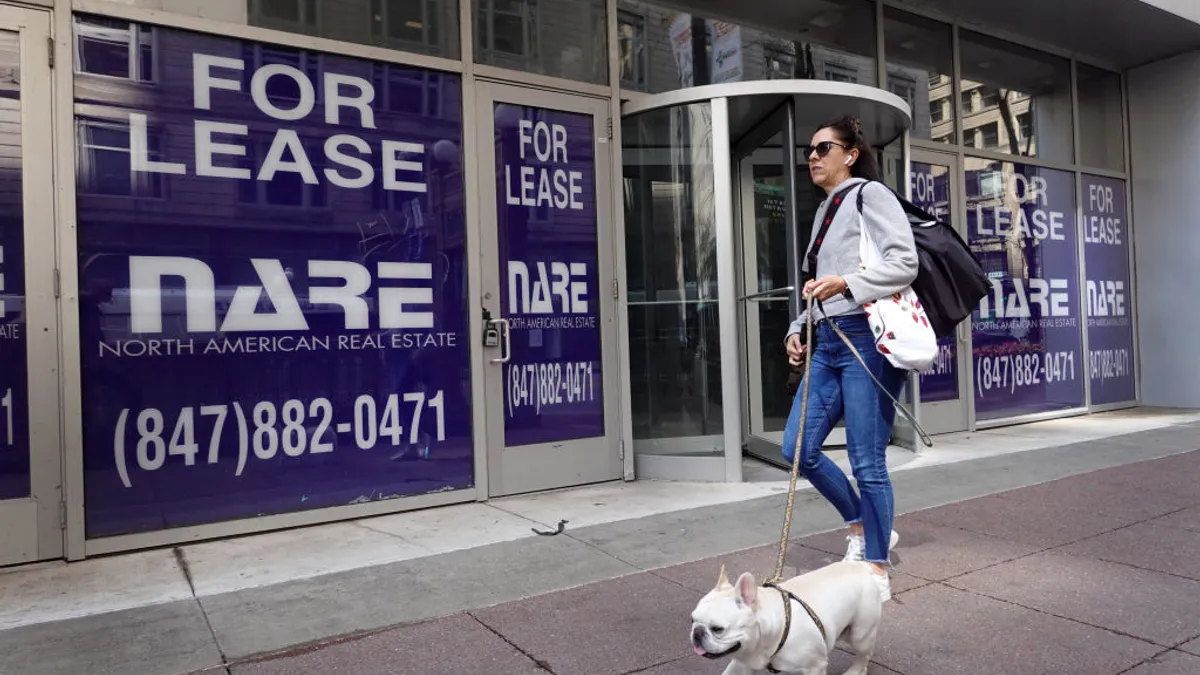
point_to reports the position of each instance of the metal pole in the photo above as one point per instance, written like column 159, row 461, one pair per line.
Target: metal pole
column 795, row 246
column 727, row 304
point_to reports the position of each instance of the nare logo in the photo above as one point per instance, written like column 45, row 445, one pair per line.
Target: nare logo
column 146, row 275
column 1050, row 297
column 1106, row 298
column 565, row 281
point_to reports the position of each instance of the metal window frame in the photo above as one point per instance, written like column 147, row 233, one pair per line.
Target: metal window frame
column 1080, row 252
column 78, row 545
column 134, row 44
column 154, row 131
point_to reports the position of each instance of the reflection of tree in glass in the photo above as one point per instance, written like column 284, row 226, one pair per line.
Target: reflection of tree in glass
column 1010, row 124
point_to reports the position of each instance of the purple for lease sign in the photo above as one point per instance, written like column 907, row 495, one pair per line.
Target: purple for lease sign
column 14, row 370
column 1028, row 355
column 1106, row 264
column 547, row 229
column 930, row 185
column 273, row 286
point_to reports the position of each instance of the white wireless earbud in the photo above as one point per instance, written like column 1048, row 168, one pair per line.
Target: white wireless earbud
column 849, row 160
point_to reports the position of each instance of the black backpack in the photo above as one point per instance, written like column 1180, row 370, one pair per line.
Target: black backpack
column 950, row 281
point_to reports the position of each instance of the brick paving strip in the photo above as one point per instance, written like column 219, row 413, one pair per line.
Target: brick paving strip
column 1094, row 574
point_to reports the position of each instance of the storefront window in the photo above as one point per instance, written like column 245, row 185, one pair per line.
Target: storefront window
column 420, row 26
column 560, row 38
column 920, row 69
column 1109, row 290
column 1015, row 100
column 809, row 39
column 671, row 268
column 272, row 285
column 1028, row 352
column 1101, row 119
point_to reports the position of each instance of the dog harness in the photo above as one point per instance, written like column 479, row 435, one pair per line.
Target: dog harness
column 788, row 597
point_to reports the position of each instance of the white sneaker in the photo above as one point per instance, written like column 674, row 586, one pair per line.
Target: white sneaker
column 884, row 582
column 856, row 551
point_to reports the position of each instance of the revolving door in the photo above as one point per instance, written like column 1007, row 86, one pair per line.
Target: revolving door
column 719, row 208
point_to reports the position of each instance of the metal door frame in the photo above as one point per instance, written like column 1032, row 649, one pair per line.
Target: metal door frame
column 591, row 460
column 750, row 151
column 956, row 415
column 32, row 527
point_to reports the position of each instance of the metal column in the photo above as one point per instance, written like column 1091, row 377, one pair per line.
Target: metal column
column 796, row 248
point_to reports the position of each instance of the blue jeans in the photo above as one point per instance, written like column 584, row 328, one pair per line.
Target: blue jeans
column 841, row 387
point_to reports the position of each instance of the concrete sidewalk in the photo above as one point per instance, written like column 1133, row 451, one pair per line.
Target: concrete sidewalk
column 1094, row 574
column 222, row 605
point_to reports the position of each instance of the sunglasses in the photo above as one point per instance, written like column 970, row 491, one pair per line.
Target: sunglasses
column 821, row 148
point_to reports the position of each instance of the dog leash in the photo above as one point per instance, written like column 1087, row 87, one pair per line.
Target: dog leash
column 773, row 582
column 788, row 597
column 791, row 498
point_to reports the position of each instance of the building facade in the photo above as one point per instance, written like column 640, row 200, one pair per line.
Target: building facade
column 267, row 263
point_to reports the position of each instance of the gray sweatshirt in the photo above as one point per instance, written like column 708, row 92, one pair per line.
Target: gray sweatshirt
column 888, row 227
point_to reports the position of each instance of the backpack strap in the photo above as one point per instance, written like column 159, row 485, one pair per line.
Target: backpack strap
column 835, row 204
column 915, row 213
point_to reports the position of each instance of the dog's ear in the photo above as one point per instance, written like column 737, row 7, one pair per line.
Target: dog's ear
column 747, row 589
column 723, row 581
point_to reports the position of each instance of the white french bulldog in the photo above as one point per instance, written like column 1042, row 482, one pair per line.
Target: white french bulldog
column 745, row 621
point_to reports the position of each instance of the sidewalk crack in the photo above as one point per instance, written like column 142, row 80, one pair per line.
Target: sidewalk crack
column 536, row 661
column 185, row 567
column 1043, row 612
column 1147, row 660
column 514, row 514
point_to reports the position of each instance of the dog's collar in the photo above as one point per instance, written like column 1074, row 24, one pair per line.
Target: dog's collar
column 788, row 596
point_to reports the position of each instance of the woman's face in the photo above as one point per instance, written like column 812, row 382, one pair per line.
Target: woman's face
column 830, row 170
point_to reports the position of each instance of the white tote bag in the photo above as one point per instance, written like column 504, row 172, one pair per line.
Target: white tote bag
column 901, row 328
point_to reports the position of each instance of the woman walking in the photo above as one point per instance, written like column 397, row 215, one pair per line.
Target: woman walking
column 841, row 162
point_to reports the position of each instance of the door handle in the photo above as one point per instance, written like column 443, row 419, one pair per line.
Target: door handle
column 505, row 341
column 774, row 291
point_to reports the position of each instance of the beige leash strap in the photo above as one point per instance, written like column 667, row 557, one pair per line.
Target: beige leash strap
column 791, row 499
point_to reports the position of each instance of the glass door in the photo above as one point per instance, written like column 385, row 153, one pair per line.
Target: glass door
column 30, row 448
column 770, row 257
column 548, row 305
column 935, row 183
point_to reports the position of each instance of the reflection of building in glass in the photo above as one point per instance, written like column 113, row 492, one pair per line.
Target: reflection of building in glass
column 422, row 26
column 658, row 50
column 911, row 84
column 997, row 119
